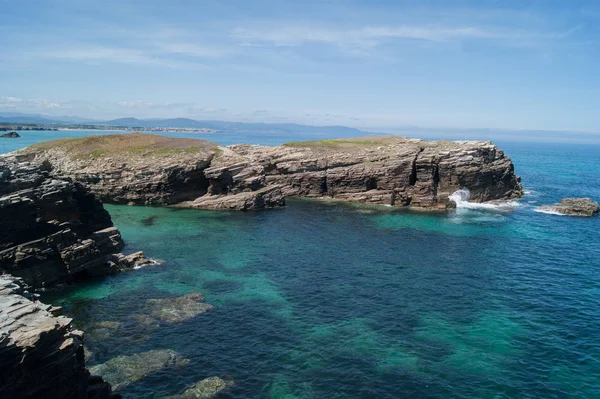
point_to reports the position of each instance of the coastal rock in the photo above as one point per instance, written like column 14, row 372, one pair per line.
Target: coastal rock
column 53, row 230
column 208, row 388
column 397, row 171
column 573, row 207
column 41, row 355
column 176, row 310
column 10, row 135
column 123, row 370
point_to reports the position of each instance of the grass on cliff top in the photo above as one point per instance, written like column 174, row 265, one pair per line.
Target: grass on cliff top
column 375, row 141
column 127, row 144
column 345, row 143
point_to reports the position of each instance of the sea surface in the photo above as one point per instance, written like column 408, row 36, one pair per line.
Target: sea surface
column 324, row 300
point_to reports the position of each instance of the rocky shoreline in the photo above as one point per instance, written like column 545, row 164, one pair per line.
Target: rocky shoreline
column 154, row 170
column 55, row 230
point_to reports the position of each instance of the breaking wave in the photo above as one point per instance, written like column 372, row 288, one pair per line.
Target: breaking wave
column 461, row 199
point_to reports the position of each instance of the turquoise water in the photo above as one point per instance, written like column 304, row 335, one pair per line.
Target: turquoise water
column 321, row 300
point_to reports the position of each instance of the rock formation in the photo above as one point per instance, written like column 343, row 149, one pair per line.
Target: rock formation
column 41, row 356
column 208, row 388
column 123, row 370
column 155, row 170
column 573, row 207
column 53, row 230
column 10, row 135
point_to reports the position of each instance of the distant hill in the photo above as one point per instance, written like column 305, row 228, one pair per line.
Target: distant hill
column 229, row 126
column 28, row 120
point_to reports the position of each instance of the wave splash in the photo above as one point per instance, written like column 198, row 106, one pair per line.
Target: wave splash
column 462, row 196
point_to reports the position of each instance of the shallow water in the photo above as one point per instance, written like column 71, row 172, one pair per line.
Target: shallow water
column 322, row 300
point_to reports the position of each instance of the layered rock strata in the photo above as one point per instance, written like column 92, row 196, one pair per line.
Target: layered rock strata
column 53, row 230
column 154, row 170
column 41, row 356
column 573, row 207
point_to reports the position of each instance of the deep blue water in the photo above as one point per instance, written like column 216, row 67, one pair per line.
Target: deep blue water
column 321, row 300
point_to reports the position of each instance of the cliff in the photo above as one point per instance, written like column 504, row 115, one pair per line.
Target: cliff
column 155, row 170
column 41, row 356
column 53, row 230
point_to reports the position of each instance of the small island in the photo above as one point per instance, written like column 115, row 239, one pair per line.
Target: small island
column 10, row 135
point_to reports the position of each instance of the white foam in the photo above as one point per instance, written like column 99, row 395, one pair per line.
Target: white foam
column 151, row 262
column 548, row 212
column 461, row 198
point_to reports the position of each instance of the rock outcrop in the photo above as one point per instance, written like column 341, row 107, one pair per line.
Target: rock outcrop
column 10, row 135
column 53, row 230
column 155, row 170
column 41, row 356
column 123, row 370
column 573, row 207
column 208, row 388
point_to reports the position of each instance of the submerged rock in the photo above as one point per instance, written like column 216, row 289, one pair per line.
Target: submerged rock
column 176, row 310
column 206, row 389
column 573, row 207
column 10, row 135
column 155, row 170
column 102, row 330
column 123, row 370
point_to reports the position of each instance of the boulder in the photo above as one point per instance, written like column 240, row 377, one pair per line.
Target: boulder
column 573, row 207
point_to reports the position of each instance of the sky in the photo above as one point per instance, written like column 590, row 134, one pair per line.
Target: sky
column 368, row 64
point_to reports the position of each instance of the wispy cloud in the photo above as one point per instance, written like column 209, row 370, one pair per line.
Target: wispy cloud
column 369, row 37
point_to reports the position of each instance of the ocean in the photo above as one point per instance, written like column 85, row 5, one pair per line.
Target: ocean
column 324, row 300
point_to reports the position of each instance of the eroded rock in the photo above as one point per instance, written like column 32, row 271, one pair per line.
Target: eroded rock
column 41, row 356
column 395, row 171
column 123, row 370
column 574, row 207
column 206, row 389
column 53, row 230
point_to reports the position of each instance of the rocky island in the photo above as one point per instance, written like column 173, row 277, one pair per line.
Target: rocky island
column 396, row 171
column 10, row 135
column 573, row 207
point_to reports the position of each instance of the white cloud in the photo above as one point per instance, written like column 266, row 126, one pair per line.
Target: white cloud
column 357, row 40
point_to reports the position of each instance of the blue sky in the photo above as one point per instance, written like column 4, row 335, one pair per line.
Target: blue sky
column 376, row 64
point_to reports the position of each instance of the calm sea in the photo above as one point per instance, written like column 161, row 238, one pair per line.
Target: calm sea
column 339, row 301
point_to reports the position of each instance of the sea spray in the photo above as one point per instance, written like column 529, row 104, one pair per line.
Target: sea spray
column 462, row 196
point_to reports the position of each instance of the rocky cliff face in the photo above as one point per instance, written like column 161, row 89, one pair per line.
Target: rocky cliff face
column 53, row 230
column 394, row 171
column 41, row 356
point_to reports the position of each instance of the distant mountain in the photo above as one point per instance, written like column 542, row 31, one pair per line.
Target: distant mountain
column 31, row 120
column 186, row 123
column 18, row 117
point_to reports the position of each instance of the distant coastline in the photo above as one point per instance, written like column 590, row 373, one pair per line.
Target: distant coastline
column 6, row 127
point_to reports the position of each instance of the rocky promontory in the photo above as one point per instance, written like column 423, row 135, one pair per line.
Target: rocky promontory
column 10, row 135
column 396, row 171
column 53, row 230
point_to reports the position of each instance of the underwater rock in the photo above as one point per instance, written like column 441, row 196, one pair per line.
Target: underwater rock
column 206, row 389
column 176, row 310
column 101, row 330
column 123, row 370
column 145, row 321
column 155, row 170
column 573, row 207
